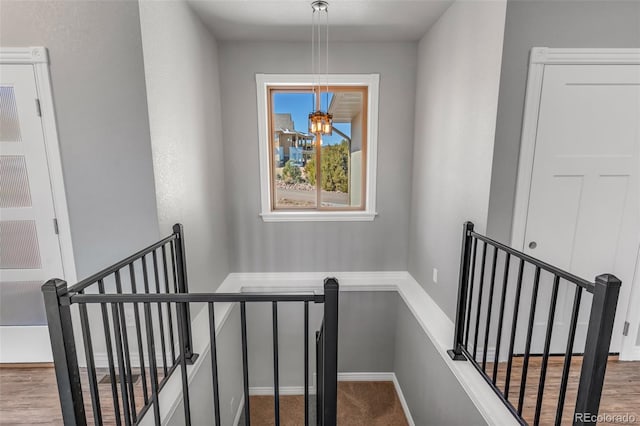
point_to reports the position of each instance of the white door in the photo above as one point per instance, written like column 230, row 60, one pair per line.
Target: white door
column 29, row 246
column 583, row 213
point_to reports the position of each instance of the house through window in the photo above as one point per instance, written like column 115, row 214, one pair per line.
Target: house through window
column 297, row 181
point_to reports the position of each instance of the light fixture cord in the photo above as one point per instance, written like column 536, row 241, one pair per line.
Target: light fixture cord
column 313, row 55
column 319, row 66
column 327, row 58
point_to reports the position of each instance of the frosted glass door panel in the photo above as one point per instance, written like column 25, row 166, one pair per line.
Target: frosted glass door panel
column 9, row 123
column 29, row 247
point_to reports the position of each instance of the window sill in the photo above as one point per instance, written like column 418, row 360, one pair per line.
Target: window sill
column 318, row 216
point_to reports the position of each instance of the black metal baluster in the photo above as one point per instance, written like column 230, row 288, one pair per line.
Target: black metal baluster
column 527, row 346
column 489, row 309
column 127, row 357
column 547, row 346
column 120, row 357
column 112, row 372
column 183, row 366
column 91, row 365
column 501, row 317
column 319, row 374
column 471, row 282
column 245, row 362
column 151, row 347
column 306, row 363
column 160, row 318
column 169, row 316
column 514, row 325
column 214, row 363
column 276, row 375
column 136, row 316
column 568, row 353
column 480, row 291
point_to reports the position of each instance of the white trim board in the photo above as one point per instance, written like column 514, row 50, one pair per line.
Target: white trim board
column 434, row 322
column 372, row 82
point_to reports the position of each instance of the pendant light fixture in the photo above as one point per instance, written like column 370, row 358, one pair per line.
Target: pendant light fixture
column 320, row 122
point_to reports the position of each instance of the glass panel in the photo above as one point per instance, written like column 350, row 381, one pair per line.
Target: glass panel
column 9, row 122
column 14, row 184
column 21, row 303
column 293, row 151
column 342, row 151
column 19, row 245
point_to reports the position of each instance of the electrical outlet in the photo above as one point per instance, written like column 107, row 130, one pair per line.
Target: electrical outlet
column 435, row 275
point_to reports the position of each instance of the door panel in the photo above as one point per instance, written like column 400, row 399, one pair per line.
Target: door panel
column 29, row 246
column 583, row 207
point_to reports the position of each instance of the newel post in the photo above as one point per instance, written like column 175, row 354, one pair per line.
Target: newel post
column 463, row 285
column 184, row 314
column 596, row 351
column 63, row 347
column 330, row 353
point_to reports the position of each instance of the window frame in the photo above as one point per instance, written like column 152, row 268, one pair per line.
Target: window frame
column 265, row 83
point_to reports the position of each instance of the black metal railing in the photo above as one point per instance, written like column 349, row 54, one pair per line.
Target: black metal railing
column 162, row 338
column 476, row 322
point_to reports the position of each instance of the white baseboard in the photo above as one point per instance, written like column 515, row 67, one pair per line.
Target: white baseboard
column 403, row 401
column 25, row 344
column 632, row 355
column 366, row 377
column 284, row 390
column 236, row 420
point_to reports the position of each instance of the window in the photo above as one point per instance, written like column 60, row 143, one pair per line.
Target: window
column 308, row 177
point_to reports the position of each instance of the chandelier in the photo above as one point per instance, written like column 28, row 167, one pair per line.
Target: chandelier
column 320, row 122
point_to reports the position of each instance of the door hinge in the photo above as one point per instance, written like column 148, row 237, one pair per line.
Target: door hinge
column 38, row 109
column 55, row 226
column 625, row 329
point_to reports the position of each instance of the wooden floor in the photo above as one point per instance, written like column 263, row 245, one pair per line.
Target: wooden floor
column 28, row 396
column 621, row 393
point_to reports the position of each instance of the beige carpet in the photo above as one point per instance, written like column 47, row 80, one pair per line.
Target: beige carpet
column 359, row 404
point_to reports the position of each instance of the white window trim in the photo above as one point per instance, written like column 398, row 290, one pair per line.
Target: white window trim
column 372, row 81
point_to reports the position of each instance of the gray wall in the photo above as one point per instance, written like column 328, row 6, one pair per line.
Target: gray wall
column 229, row 379
column 256, row 246
column 432, row 392
column 455, row 112
column 181, row 63
column 366, row 337
column 99, row 95
column 547, row 24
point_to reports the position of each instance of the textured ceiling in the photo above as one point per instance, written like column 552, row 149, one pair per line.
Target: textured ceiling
column 290, row 20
